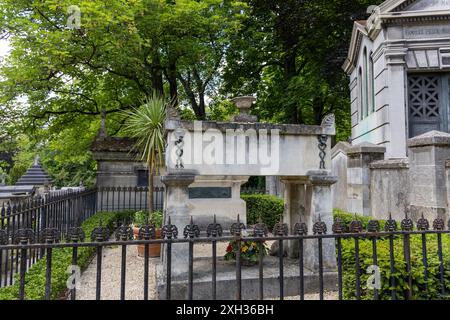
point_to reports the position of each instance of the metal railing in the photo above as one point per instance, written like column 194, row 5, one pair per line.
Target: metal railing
column 128, row 198
column 23, row 242
column 63, row 211
column 60, row 211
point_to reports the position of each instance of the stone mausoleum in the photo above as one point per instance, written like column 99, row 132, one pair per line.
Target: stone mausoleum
column 399, row 69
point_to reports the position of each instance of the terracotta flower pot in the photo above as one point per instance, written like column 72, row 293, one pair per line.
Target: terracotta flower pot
column 154, row 250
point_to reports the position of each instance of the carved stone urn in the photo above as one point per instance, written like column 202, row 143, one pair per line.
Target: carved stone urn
column 244, row 104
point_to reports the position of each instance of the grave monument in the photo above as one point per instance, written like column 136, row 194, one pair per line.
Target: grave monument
column 299, row 154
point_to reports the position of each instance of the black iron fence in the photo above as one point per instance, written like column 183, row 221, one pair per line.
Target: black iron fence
column 128, row 198
column 62, row 211
column 191, row 236
column 59, row 211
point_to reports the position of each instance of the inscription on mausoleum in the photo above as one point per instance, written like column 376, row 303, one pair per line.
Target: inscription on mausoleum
column 426, row 32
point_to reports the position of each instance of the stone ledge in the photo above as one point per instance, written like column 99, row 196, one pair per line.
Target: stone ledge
column 179, row 177
column 366, row 147
column 284, row 129
column 390, row 164
column 432, row 138
column 125, row 156
column 321, row 177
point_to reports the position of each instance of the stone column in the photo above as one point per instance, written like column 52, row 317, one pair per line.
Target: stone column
column 177, row 208
column 320, row 207
column 358, row 175
column 294, row 208
column 427, row 158
column 395, row 55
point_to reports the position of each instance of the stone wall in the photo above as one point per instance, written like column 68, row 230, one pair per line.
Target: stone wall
column 339, row 169
column 358, row 176
column 389, row 187
column 428, row 155
column 378, row 188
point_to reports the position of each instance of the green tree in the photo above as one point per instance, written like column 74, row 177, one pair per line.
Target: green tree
column 290, row 53
column 59, row 79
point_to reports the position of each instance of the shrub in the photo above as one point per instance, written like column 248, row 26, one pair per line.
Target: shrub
column 347, row 218
column 268, row 208
column 141, row 218
column 400, row 274
column 61, row 260
column 400, row 268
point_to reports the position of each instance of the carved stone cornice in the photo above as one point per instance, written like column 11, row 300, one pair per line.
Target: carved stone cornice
column 395, row 54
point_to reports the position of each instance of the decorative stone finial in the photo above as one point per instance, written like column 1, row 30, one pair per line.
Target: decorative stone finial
column 328, row 121
column 172, row 113
column 102, row 132
column 244, row 104
column 37, row 160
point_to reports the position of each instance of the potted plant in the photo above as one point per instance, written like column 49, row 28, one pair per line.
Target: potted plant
column 250, row 251
column 142, row 218
column 146, row 125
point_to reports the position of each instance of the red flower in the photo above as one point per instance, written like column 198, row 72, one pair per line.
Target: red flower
column 229, row 248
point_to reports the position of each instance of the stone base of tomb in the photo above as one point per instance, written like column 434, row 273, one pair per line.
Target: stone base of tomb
column 226, row 283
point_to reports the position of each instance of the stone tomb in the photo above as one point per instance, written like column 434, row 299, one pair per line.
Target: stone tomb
column 225, row 154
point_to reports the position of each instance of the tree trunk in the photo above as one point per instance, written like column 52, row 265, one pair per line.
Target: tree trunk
column 318, row 106
column 157, row 75
column 290, row 71
column 290, row 66
column 173, row 84
column 150, row 189
column 202, row 106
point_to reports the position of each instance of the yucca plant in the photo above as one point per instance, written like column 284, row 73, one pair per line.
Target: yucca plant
column 146, row 125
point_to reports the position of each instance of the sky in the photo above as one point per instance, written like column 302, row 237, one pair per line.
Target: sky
column 4, row 48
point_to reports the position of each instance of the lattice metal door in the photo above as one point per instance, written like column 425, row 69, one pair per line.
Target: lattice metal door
column 426, row 104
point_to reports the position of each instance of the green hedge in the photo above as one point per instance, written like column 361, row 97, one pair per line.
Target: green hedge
column 61, row 260
column 268, row 208
column 400, row 274
column 347, row 218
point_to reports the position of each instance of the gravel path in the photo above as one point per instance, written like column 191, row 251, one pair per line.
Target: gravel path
column 110, row 288
column 326, row 296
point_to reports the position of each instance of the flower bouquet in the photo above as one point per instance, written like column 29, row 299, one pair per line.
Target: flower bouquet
column 250, row 251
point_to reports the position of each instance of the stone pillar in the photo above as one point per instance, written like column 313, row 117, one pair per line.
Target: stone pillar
column 339, row 161
column 427, row 159
column 177, row 208
column 358, row 175
column 395, row 55
column 294, row 208
column 319, row 203
column 389, row 188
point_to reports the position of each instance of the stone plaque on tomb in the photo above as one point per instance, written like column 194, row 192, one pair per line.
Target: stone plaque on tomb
column 210, row 193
